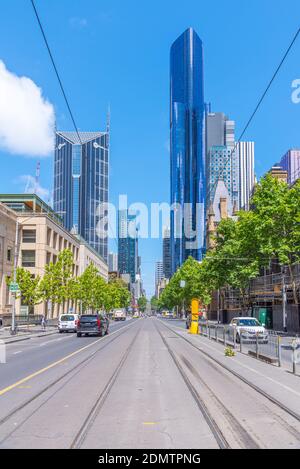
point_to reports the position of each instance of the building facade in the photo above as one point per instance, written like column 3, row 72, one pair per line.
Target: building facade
column 223, row 166
column 245, row 155
column 290, row 162
column 222, row 163
column 8, row 226
column 128, row 257
column 41, row 238
column 187, row 152
column 159, row 275
column 112, row 262
column 167, row 268
column 81, row 172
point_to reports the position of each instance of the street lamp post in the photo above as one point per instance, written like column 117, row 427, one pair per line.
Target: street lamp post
column 182, row 285
column 284, row 301
column 13, row 318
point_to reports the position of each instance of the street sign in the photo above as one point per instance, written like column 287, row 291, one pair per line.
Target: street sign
column 14, row 288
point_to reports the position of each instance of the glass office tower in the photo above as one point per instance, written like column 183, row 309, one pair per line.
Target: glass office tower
column 128, row 258
column 187, row 123
column 81, row 184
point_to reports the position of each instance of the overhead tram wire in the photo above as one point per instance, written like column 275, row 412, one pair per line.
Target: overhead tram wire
column 57, row 75
column 222, row 171
column 55, row 68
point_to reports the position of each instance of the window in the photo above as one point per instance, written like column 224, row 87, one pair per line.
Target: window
column 9, row 256
column 29, row 236
column 48, row 258
column 28, row 258
column 48, row 236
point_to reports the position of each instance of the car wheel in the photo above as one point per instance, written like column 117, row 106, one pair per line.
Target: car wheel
column 78, row 334
column 238, row 339
column 61, row 332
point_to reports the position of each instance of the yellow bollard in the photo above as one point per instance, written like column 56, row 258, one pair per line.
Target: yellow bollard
column 194, row 329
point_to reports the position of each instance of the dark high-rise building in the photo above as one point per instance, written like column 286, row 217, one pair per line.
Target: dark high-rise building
column 187, row 120
column 167, row 271
column 128, row 258
column 81, row 184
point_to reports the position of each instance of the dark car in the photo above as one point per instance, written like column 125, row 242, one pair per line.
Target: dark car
column 93, row 324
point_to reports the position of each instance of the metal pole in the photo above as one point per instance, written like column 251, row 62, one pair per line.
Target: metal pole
column 257, row 351
column 279, row 350
column 284, row 302
column 13, row 318
column 218, row 306
column 241, row 341
column 294, row 345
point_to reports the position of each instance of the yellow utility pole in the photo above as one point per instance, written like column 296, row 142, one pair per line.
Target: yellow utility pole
column 194, row 329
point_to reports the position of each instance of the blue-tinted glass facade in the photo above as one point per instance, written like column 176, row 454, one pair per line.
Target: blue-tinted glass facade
column 127, row 244
column 187, row 117
column 81, row 184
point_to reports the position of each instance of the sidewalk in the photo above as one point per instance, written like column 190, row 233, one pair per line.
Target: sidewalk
column 25, row 333
column 278, row 383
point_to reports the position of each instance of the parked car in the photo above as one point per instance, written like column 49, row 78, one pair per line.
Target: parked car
column 248, row 328
column 67, row 323
column 93, row 324
column 119, row 315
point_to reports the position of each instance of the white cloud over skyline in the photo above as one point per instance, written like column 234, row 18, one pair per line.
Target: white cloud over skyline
column 31, row 186
column 26, row 118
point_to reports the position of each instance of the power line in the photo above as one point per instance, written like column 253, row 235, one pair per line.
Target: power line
column 221, row 173
column 60, row 82
column 55, row 68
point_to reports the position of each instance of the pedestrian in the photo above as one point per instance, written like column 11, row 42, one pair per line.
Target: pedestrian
column 43, row 322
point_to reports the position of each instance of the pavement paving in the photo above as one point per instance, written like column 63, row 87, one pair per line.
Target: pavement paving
column 149, row 384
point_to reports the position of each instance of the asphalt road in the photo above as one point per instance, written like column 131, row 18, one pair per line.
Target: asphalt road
column 143, row 386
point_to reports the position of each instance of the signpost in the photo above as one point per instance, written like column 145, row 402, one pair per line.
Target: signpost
column 14, row 288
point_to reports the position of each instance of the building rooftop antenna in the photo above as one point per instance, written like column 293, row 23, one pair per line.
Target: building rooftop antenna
column 37, row 177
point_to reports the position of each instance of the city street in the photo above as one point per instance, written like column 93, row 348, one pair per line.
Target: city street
column 148, row 384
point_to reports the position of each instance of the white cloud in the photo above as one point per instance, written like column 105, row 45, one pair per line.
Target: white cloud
column 31, row 187
column 26, row 117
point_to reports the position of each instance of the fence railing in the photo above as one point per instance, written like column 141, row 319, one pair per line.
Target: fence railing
column 27, row 320
column 273, row 347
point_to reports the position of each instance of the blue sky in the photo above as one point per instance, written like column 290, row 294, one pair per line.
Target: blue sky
column 117, row 53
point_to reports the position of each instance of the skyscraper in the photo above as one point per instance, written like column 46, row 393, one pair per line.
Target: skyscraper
column 167, row 254
column 245, row 154
column 222, row 163
column 128, row 258
column 159, row 274
column 290, row 162
column 112, row 262
column 187, row 111
column 81, row 184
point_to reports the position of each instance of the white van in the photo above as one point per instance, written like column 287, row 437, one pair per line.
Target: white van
column 68, row 322
column 119, row 315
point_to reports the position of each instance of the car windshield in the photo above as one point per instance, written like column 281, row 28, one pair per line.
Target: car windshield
column 67, row 317
column 249, row 322
column 88, row 318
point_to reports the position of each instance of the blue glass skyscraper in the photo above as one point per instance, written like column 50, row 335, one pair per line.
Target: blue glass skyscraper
column 81, row 184
column 187, row 121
